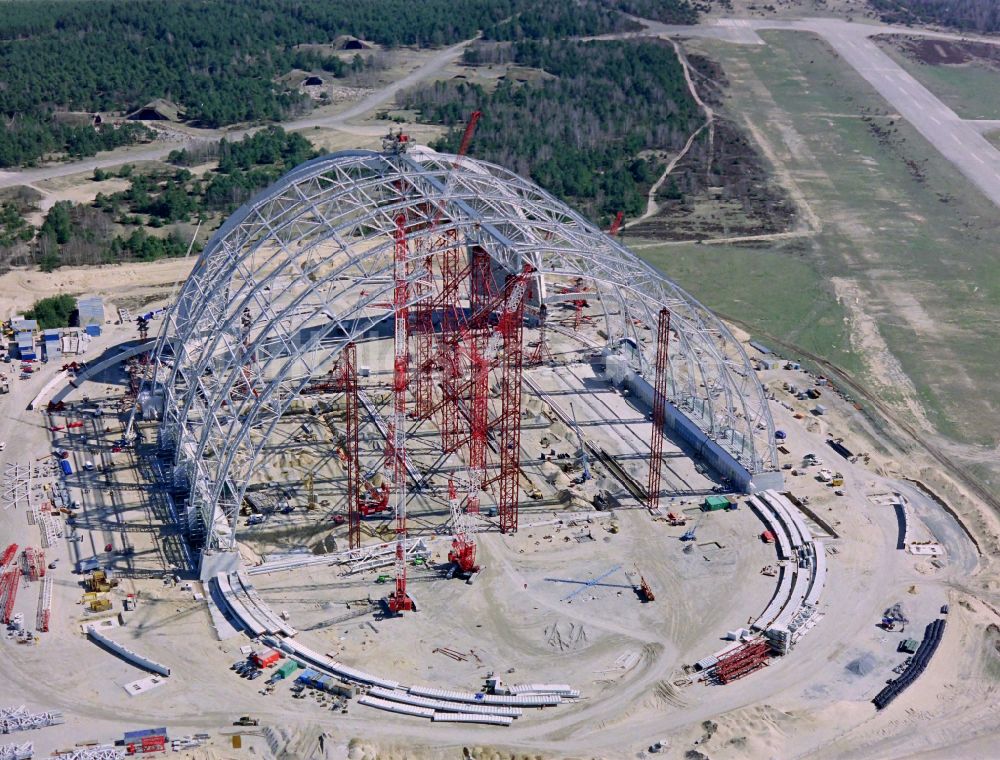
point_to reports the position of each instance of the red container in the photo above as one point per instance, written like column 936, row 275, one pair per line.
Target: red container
column 266, row 658
column 154, row 744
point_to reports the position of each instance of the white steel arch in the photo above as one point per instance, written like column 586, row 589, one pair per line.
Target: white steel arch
column 306, row 267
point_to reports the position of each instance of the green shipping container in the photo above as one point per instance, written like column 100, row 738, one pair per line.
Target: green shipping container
column 287, row 668
column 713, row 503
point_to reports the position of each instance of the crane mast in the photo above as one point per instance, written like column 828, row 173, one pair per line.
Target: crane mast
column 399, row 601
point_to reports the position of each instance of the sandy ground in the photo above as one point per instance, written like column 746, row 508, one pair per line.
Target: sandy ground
column 20, row 288
column 806, row 705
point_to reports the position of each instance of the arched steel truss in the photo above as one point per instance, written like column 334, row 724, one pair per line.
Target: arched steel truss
column 306, row 267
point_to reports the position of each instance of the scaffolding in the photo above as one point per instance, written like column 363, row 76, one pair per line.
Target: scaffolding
column 19, row 719
column 395, row 453
column 17, row 751
column 100, row 752
column 477, row 223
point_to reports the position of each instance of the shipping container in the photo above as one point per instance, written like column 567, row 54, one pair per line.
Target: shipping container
column 715, row 502
column 306, row 676
column 66, row 467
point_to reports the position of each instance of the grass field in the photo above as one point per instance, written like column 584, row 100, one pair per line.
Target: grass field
column 773, row 291
column 909, row 243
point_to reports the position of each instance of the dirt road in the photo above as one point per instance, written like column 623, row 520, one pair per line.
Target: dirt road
column 159, row 151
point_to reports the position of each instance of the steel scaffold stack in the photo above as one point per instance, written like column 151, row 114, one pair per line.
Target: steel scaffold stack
column 349, row 382
column 659, row 410
column 396, row 440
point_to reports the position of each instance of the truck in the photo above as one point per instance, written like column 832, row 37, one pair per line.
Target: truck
column 246, row 720
column 67, row 468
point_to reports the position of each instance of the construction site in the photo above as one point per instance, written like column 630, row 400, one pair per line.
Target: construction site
column 424, row 447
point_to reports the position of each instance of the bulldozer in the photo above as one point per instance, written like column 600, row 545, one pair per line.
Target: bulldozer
column 99, row 582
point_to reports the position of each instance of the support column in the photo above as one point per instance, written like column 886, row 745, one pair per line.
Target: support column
column 659, row 410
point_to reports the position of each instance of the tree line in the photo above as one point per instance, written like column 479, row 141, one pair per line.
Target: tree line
column 587, row 132
column 968, row 15
column 220, row 61
column 113, row 228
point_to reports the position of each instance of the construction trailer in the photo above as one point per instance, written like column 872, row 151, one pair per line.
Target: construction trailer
column 266, row 659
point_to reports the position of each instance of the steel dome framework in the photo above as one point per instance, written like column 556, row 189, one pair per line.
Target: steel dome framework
column 306, row 267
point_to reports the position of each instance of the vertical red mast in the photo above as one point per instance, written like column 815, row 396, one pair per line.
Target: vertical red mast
column 349, row 381
column 396, row 443
column 659, row 410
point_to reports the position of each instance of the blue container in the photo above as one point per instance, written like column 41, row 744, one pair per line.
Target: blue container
column 135, row 736
column 67, row 468
column 306, row 676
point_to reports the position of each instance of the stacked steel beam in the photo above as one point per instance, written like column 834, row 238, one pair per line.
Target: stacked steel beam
column 742, row 661
column 44, row 605
column 9, row 575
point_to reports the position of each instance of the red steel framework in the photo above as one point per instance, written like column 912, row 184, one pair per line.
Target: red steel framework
column 349, row 379
column 742, row 661
column 34, row 563
column 448, row 355
column 398, row 600
column 616, row 224
column 512, row 330
column 8, row 593
column 659, row 410
column 423, row 334
column 8, row 556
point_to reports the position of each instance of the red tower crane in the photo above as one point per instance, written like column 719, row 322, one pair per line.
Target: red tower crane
column 659, row 410
column 616, row 224
column 398, row 600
